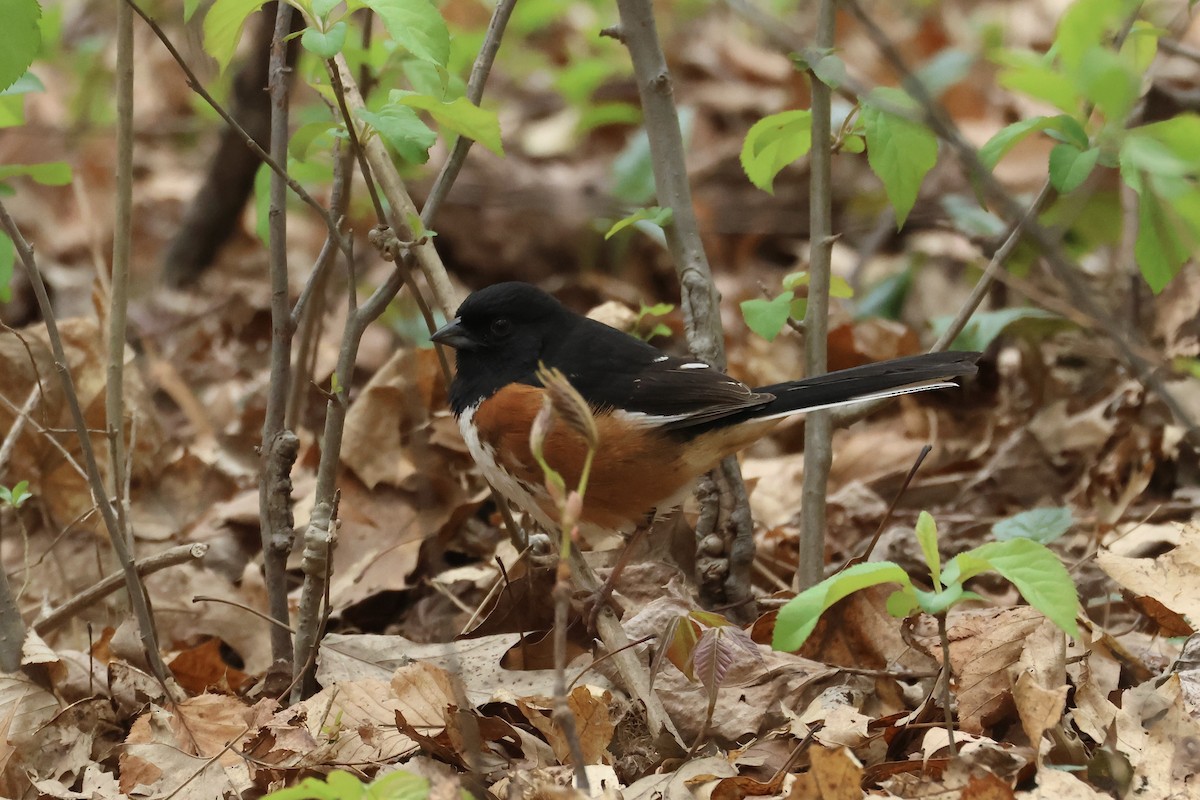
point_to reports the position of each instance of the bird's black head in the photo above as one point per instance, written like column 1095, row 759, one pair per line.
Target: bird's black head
column 500, row 333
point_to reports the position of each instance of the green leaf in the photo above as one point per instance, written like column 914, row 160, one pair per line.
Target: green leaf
column 1162, row 245
column 838, row 286
column 799, row 616
column 940, row 601
column 660, row 217
column 830, row 70
column 1085, row 26
column 1042, row 82
column 223, row 27
column 984, row 327
column 321, row 8
column 927, row 537
column 18, row 495
column 1042, row 525
column 945, row 69
column 1061, row 127
column 306, row 135
column 399, row 785
column 633, row 170
column 20, row 39
column 50, row 173
column 1008, row 137
column 767, row 317
column 854, row 144
column 325, row 44
column 7, row 260
column 1038, row 575
column 25, row 84
column 886, row 298
column 426, row 78
column 969, row 218
column 402, row 130
column 1180, row 135
column 1109, row 83
column 459, row 115
column 416, row 26
column 902, row 602
column 1069, row 167
column 596, row 115
column 774, row 142
column 1141, row 46
column 900, row 152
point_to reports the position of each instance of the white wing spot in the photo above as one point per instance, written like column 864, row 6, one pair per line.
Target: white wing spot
column 660, row 359
column 694, row 365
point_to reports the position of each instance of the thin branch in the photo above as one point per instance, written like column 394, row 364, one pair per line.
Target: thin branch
column 279, row 446
column 118, row 300
column 196, row 86
column 1062, row 267
column 139, row 601
column 54, row 618
column 818, row 428
column 698, row 295
column 14, row 433
column 479, row 75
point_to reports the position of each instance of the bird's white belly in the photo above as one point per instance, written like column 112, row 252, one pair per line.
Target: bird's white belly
column 519, row 492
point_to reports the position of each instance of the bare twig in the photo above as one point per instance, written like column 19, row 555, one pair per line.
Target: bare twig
column 947, row 698
column 12, row 627
column 479, row 74
column 698, row 295
column 118, row 300
column 279, row 446
column 887, row 515
column 818, row 428
column 1048, row 245
column 54, row 618
column 196, row 86
column 633, row 672
column 137, row 592
column 14, row 433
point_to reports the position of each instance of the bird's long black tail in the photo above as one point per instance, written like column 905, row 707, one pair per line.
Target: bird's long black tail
column 868, row 382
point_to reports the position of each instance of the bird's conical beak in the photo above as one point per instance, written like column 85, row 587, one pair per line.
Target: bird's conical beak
column 453, row 334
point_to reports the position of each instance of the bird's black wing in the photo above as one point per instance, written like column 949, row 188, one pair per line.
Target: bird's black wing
column 612, row 370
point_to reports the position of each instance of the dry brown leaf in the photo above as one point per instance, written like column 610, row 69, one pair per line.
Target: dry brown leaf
column 1170, row 579
column 202, row 667
column 1170, row 760
column 593, row 725
column 838, row 712
column 1040, row 708
column 685, row 783
column 188, row 749
column 476, row 662
column 984, row 644
column 182, row 620
column 1053, row 784
column 835, row 774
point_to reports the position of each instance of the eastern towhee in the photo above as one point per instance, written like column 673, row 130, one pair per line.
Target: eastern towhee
column 663, row 421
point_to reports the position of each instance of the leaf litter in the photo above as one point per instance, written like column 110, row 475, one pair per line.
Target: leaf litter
column 1050, row 425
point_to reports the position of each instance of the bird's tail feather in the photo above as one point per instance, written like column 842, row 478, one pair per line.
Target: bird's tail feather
column 869, row 382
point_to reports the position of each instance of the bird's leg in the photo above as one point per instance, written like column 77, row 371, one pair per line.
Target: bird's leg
column 604, row 593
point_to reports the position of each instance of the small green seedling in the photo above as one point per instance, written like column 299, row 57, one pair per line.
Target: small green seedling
column 15, row 496
column 343, row 785
column 660, row 328
column 1036, row 572
column 767, row 317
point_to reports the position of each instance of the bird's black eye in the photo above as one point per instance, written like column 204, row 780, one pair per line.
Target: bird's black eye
column 501, row 328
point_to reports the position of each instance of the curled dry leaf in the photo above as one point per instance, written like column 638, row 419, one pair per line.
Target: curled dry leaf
column 1169, row 580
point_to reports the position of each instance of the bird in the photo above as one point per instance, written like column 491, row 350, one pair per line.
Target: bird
column 663, row 421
